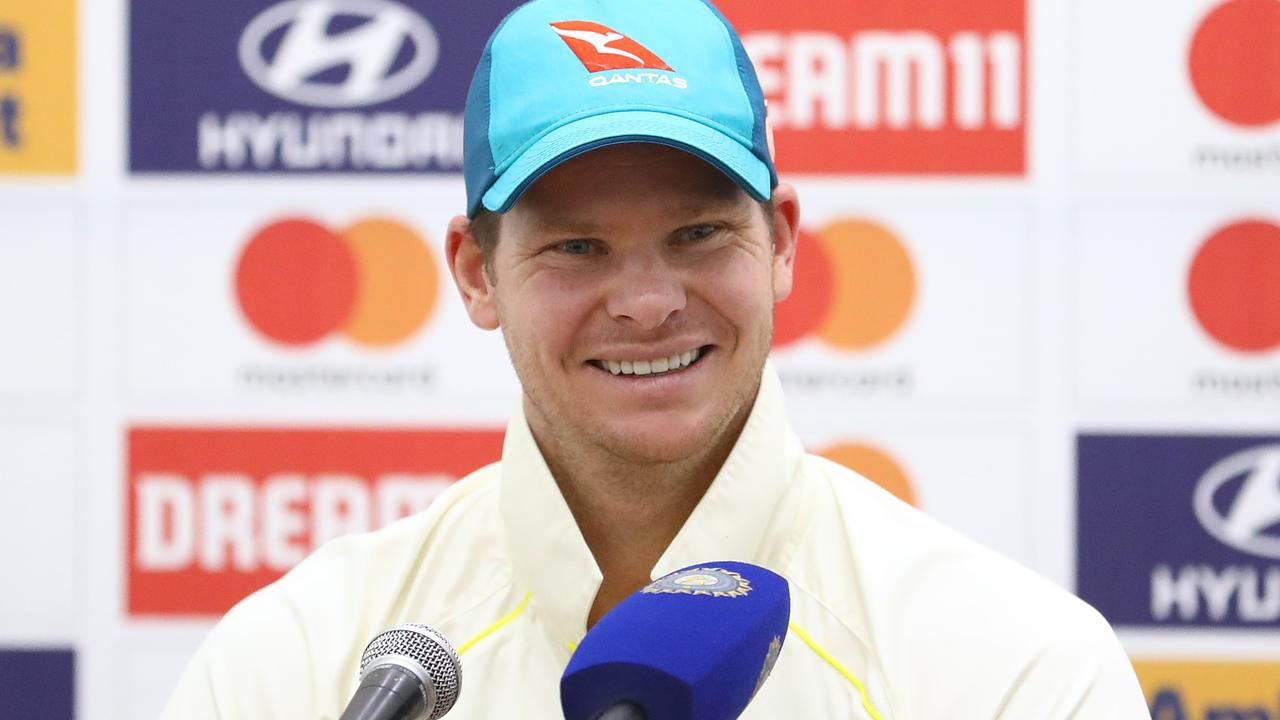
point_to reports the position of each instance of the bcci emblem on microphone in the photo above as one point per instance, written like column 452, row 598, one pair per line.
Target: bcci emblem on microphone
column 702, row 581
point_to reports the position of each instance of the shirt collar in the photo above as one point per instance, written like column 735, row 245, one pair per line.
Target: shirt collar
column 550, row 557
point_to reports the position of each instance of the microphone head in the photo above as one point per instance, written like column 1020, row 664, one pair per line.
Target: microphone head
column 426, row 653
column 694, row 645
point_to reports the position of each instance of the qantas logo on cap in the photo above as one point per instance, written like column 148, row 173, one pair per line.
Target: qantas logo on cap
column 602, row 48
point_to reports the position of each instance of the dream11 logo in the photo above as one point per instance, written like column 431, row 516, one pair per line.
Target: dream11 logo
column 1233, row 288
column 855, row 286
column 892, row 86
column 299, row 282
column 215, row 513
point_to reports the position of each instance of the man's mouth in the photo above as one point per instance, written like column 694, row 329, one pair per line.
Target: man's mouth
column 655, row 366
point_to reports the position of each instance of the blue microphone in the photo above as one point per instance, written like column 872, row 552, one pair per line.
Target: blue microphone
column 694, row 645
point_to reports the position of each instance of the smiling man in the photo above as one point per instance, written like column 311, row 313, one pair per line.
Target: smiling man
column 634, row 286
column 627, row 234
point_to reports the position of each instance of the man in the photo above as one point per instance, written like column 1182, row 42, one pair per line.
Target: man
column 627, row 233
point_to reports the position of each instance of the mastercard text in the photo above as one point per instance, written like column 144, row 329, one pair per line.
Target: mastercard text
column 1236, row 385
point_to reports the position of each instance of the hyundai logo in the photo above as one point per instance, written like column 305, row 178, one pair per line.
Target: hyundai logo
column 289, row 52
column 1249, row 520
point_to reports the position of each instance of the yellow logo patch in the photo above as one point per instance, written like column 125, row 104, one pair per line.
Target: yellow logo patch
column 38, row 87
column 1209, row 690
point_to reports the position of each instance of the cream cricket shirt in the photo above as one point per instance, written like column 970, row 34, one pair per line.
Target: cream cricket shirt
column 892, row 614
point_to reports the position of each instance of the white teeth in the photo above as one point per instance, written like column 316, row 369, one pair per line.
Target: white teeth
column 648, row 367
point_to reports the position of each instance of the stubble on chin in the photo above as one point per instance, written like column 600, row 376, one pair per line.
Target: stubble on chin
column 568, row 436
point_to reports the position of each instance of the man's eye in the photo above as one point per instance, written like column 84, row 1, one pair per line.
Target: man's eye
column 698, row 232
column 575, row 247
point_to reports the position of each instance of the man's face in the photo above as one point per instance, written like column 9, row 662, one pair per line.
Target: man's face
column 634, row 286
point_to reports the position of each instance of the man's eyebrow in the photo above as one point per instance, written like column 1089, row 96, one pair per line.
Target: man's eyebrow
column 710, row 202
column 561, row 225
column 719, row 201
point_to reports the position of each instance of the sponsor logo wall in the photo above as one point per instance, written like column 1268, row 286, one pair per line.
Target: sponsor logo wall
column 40, row 277
column 973, row 480
column 1038, row 297
column 39, row 488
column 1175, row 287
column 1204, row 75
column 878, row 286
column 334, row 300
column 1208, row 302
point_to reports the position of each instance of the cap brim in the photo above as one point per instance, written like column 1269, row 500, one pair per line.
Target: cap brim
column 731, row 157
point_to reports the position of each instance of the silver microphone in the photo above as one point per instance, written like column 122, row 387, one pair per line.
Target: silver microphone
column 409, row 672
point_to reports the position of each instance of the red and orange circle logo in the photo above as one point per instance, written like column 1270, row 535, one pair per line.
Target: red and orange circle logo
column 855, row 285
column 875, row 465
column 375, row 281
column 1234, row 286
column 1235, row 61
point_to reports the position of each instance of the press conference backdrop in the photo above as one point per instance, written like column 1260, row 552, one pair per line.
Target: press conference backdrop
column 1039, row 298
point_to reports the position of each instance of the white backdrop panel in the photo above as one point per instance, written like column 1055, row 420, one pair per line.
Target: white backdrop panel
column 40, row 285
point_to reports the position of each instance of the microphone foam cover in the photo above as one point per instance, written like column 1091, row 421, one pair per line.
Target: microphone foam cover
column 693, row 645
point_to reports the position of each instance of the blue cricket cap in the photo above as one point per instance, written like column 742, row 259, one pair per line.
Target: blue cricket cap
column 559, row 78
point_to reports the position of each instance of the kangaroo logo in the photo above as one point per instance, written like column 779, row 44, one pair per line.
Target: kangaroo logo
column 602, row 48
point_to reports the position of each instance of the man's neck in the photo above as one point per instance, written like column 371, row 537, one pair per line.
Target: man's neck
column 629, row 513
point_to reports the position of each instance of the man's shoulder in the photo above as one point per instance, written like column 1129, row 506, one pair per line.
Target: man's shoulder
column 455, row 524
column 420, row 561
column 942, row 614
column 312, row 623
column 921, row 579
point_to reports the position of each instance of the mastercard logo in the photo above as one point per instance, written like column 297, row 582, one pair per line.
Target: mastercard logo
column 854, row 287
column 1234, row 63
column 374, row 281
column 876, row 466
column 1234, row 285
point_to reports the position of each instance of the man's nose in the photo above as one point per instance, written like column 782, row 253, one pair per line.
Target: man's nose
column 646, row 291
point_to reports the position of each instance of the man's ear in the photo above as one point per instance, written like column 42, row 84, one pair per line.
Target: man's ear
column 786, row 233
column 466, row 263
